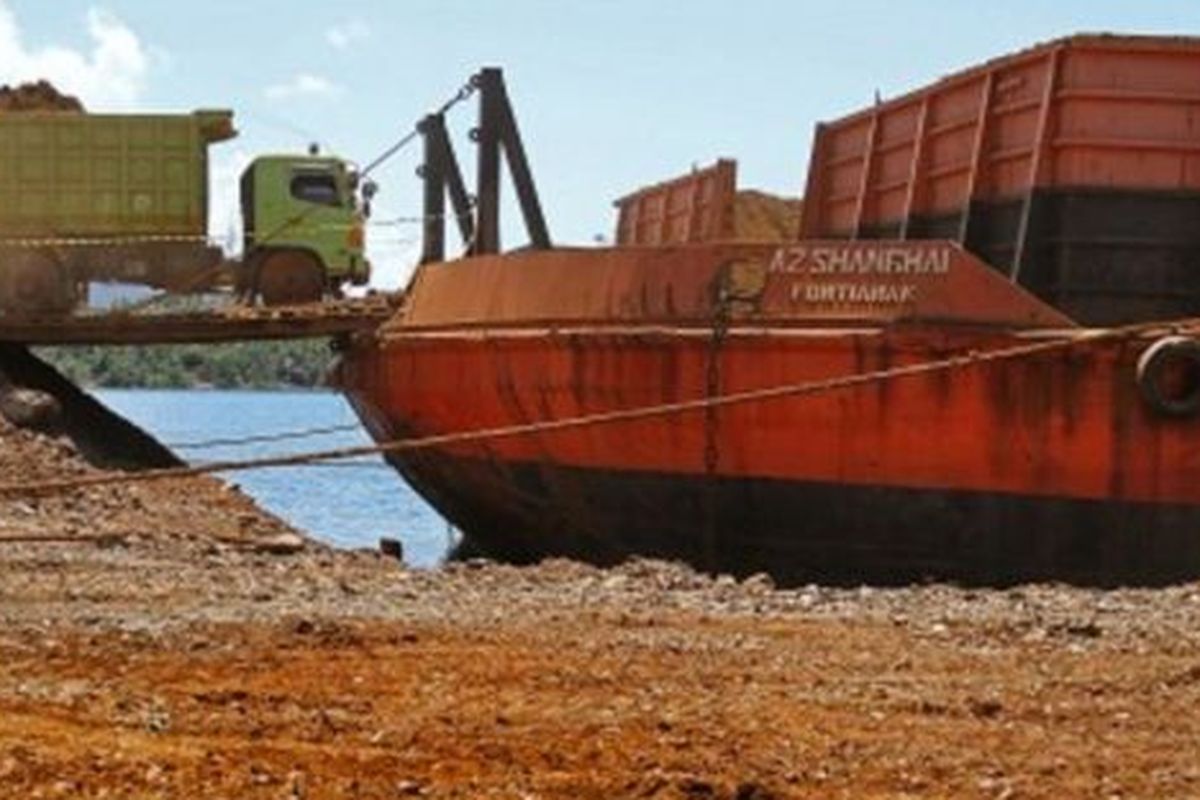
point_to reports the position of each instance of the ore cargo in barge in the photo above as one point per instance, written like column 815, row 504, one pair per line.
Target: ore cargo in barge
column 918, row 384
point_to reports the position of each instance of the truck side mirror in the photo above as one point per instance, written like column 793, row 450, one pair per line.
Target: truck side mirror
column 369, row 190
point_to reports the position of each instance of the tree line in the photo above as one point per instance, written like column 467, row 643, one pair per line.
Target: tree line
column 293, row 364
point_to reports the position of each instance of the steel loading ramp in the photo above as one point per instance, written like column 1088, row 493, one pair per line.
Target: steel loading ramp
column 227, row 324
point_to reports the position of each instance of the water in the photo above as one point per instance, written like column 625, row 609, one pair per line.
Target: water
column 349, row 504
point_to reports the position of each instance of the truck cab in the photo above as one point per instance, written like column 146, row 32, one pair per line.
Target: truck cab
column 303, row 221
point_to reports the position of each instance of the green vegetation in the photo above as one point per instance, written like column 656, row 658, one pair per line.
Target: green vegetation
column 241, row 365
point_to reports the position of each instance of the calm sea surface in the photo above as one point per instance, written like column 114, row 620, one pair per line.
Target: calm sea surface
column 350, row 505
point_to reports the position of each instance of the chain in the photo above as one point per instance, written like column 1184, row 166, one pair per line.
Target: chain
column 36, row 242
column 420, row 219
column 712, row 390
column 465, row 91
column 712, row 379
column 40, row 243
column 119, row 241
column 175, row 238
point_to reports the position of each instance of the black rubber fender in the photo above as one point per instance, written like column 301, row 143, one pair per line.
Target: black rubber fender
column 1150, row 368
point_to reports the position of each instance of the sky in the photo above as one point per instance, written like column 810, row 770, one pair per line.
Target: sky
column 609, row 94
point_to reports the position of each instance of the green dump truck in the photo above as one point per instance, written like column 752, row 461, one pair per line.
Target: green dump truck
column 124, row 197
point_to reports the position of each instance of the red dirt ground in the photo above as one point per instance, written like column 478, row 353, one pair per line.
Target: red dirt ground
column 186, row 654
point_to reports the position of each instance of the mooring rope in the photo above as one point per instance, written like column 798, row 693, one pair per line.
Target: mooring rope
column 971, row 358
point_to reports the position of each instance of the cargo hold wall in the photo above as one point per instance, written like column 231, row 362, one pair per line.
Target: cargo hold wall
column 1073, row 167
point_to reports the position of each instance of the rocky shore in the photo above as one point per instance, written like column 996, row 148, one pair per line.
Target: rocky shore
column 173, row 640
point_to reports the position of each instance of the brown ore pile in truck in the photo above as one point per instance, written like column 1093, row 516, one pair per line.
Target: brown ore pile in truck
column 37, row 96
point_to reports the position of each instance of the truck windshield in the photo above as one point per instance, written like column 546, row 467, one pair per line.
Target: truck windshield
column 316, row 187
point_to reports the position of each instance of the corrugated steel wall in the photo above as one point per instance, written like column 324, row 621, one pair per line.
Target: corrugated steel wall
column 72, row 175
column 698, row 207
column 1073, row 166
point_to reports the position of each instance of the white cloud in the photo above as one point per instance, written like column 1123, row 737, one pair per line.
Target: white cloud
column 344, row 34
column 111, row 75
column 304, row 84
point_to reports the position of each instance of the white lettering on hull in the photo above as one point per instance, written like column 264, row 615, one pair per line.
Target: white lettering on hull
column 853, row 293
column 890, row 260
column 825, row 275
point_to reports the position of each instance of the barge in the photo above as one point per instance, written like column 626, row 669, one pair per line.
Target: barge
column 975, row 359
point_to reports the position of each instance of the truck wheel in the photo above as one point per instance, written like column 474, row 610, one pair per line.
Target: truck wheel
column 33, row 283
column 290, row 276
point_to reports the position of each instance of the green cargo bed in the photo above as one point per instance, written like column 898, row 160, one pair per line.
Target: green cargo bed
column 73, row 175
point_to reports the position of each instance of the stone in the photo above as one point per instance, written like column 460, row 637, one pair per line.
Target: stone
column 30, row 408
column 281, row 544
column 393, row 548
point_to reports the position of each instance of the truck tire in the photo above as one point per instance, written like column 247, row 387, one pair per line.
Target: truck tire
column 34, row 283
column 1168, row 375
column 286, row 277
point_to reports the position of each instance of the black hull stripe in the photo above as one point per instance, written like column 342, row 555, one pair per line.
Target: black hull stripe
column 803, row 532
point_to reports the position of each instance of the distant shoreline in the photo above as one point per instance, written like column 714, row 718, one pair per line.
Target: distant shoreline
column 297, row 365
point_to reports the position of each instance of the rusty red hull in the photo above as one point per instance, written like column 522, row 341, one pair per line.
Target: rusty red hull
column 1049, row 465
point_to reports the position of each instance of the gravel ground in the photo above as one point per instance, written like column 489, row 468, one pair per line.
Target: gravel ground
column 182, row 643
